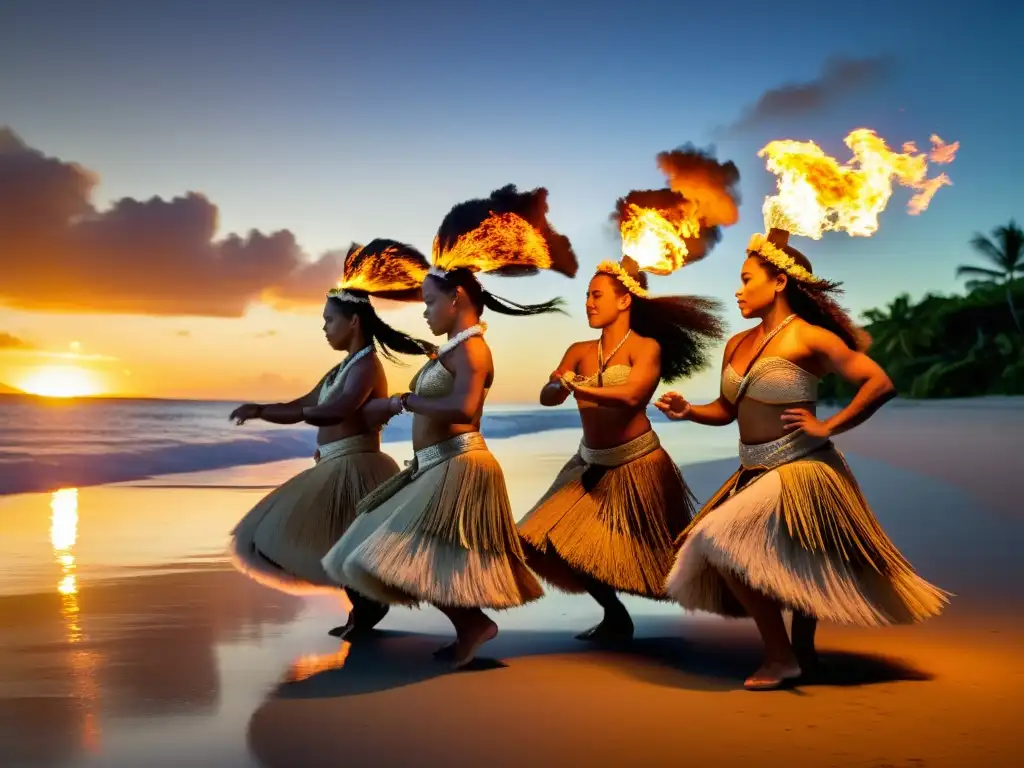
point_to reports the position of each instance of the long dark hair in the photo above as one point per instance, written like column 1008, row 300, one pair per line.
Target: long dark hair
column 481, row 298
column 816, row 303
column 687, row 328
column 383, row 337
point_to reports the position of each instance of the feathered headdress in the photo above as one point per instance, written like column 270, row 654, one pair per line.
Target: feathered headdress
column 506, row 234
column 383, row 268
column 666, row 229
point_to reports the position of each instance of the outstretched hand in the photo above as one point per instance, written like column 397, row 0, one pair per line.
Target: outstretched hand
column 244, row 413
column 802, row 419
column 673, row 405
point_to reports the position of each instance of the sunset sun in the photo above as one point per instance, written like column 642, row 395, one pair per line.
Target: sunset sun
column 62, row 381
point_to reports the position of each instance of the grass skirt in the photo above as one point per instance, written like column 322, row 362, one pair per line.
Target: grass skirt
column 441, row 532
column 611, row 516
column 281, row 542
column 802, row 533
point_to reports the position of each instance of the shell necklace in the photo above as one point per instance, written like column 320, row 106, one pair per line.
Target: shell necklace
column 454, row 341
column 602, row 362
column 331, row 383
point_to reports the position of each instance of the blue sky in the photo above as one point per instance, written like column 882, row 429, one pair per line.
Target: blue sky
column 350, row 124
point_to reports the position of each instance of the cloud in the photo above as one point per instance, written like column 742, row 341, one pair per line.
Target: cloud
column 8, row 341
column 840, row 76
column 265, row 334
column 183, row 334
column 152, row 257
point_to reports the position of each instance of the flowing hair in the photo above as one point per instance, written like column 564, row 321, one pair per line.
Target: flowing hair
column 817, row 303
column 481, row 298
column 687, row 328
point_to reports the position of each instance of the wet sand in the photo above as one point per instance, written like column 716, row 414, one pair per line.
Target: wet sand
column 127, row 640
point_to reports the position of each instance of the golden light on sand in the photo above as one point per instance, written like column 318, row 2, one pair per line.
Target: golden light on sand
column 62, row 381
column 306, row 666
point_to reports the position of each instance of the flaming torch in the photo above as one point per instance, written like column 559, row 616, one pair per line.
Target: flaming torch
column 665, row 229
column 816, row 194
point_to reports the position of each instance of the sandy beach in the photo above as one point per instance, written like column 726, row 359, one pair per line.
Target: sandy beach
column 126, row 639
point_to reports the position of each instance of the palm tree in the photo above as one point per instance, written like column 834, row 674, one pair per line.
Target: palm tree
column 1005, row 250
column 900, row 329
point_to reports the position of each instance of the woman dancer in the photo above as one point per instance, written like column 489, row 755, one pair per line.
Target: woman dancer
column 442, row 531
column 790, row 529
column 283, row 539
column 608, row 522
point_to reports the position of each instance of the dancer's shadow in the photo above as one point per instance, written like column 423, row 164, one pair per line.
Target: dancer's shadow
column 722, row 660
column 385, row 661
column 663, row 656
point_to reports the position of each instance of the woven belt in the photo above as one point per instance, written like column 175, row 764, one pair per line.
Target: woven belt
column 647, row 443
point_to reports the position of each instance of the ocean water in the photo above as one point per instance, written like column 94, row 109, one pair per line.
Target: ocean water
column 49, row 444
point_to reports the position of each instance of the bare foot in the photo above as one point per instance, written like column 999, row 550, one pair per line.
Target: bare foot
column 446, row 652
column 609, row 630
column 343, row 631
column 361, row 622
column 471, row 639
column 772, row 676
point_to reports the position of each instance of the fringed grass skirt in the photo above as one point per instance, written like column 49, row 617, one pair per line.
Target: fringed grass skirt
column 612, row 516
column 282, row 540
column 441, row 532
column 793, row 524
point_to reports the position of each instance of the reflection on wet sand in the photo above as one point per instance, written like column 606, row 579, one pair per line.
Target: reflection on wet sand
column 84, row 662
column 136, row 646
column 308, row 665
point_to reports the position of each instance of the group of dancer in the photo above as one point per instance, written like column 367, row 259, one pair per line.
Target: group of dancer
column 789, row 531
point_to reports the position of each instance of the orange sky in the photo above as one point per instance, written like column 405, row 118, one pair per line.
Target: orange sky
column 267, row 354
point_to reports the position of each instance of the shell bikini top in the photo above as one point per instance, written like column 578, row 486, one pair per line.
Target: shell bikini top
column 433, row 379
column 332, row 383
column 771, row 380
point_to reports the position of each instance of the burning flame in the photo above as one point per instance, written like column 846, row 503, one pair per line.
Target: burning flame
column 655, row 239
column 390, row 269
column 816, row 194
column 502, row 241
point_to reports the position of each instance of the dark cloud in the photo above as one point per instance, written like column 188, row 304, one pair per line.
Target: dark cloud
column 8, row 341
column 839, row 77
column 153, row 257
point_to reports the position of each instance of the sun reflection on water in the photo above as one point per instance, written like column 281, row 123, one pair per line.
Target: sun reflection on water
column 84, row 663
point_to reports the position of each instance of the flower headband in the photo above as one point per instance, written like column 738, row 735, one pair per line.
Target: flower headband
column 616, row 270
column 760, row 244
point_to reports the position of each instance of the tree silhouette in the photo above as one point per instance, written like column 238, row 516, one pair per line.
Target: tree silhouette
column 1005, row 251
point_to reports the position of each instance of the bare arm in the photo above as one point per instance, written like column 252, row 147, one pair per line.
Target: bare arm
column 555, row 392
column 717, row 413
column 639, row 387
column 282, row 413
column 875, row 386
column 470, row 365
column 352, row 395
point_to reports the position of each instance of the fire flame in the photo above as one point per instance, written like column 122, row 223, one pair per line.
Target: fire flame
column 392, row 268
column 816, row 194
column 502, row 241
column 655, row 239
